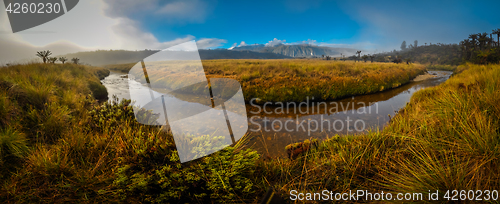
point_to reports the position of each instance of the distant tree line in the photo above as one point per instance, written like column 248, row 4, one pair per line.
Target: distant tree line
column 481, row 48
column 45, row 55
column 429, row 54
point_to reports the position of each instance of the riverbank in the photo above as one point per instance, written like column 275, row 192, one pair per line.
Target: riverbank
column 299, row 79
column 58, row 145
column 423, row 77
column 295, row 80
column 445, row 138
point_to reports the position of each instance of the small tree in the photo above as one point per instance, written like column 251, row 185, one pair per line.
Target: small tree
column 397, row 60
column 497, row 32
column 63, row 59
column 359, row 54
column 75, row 60
column 53, row 59
column 365, row 57
column 372, row 57
column 415, row 43
column 44, row 55
column 403, row 45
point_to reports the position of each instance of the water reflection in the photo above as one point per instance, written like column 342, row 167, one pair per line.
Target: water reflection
column 274, row 127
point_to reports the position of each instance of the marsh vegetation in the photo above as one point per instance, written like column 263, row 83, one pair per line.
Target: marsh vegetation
column 59, row 144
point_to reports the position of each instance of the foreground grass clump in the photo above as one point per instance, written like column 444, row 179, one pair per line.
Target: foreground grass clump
column 58, row 144
column 446, row 138
column 295, row 80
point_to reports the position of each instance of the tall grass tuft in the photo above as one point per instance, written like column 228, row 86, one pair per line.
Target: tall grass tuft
column 13, row 148
column 13, row 144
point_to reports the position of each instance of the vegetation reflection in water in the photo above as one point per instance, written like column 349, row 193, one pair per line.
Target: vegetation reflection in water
column 352, row 115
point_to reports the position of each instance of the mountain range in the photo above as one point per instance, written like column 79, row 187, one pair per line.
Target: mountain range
column 256, row 51
column 301, row 50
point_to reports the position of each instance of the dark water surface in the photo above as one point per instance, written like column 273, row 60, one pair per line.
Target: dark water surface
column 273, row 126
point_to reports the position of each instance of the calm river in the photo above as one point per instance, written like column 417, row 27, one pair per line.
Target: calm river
column 273, row 126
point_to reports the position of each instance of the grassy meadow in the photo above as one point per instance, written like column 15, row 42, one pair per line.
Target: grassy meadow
column 295, row 80
column 59, row 144
column 446, row 138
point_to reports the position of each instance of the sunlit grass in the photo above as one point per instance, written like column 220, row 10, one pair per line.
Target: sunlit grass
column 57, row 144
column 286, row 80
column 297, row 80
column 446, row 138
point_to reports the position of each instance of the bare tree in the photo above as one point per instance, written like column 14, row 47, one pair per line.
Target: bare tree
column 44, row 55
column 75, row 60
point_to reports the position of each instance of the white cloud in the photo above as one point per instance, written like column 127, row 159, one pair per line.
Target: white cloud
column 106, row 28
column 307, row 42
column 188, row 10
column 242, row 44
column 17, row 47
column 173, row 11
column 123, row 8
column 128, row 35
column 275, row 42
column 360, row 45
column 205, row 43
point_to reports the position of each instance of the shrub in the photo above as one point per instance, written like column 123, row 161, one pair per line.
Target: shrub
column 98, row 90
column 225, row 176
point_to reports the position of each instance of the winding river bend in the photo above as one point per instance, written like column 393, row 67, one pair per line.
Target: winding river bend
column 273, row 126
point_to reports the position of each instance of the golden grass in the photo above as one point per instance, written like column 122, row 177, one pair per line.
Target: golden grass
column 293, row 79
column 57, row 144
column 299, row 79
column 62, row 149
column 446, row 138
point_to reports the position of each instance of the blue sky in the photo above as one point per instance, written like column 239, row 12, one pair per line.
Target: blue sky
column 372, row 26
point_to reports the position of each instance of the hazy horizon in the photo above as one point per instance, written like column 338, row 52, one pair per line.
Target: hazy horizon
column 131, row 25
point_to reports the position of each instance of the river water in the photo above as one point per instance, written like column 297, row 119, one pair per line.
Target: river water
column 272, row 126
